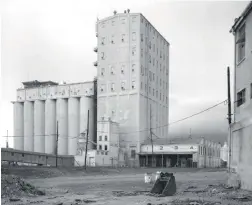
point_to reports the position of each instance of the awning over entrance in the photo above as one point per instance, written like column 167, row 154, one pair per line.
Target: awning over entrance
column 165, row 153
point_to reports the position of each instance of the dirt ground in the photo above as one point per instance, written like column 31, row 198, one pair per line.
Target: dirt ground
column 126, row 186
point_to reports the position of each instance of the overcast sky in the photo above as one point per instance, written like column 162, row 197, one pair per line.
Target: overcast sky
column 54, row 40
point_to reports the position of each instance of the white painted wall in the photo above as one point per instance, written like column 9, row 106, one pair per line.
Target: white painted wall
column 129, row 107
column 18, row 125
column 224, row 152
column 55, row 92
column 62, row 119
column 36, row 113
column 50, row 126
column 73, row 125
column 39, row 126
column 28, row 126
column 171, row 148
column 241, row 144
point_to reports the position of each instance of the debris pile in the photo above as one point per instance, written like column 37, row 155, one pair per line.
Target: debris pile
column 14, row 186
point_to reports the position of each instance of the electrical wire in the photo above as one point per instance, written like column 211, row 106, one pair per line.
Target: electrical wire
column 144, row 130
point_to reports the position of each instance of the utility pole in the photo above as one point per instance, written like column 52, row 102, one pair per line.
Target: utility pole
column 86, row 141
column 229, row 116
column 7, row 140
column 57, row 139
column 151, row 140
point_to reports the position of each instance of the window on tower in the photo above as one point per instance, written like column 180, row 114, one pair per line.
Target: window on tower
column 122, row 69
column 133, row 68
column 103, row 40
column 102, row 71
column 123, row 20
column 122, row 85
column 112, row 39
column 133, row 84
column 112, row 87
column 102, row 88
column 134, row 36
column 112, row 70
column 113, row 22
column 142, row 70
column 102, row 55
column 134, row 51
column 123, row 38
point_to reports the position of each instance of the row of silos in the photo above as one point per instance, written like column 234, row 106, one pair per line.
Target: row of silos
column 35, row 124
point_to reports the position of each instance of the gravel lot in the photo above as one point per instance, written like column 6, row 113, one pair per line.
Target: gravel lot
column 126, row 186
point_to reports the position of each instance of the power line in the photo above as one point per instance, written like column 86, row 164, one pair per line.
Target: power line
column 144, row 130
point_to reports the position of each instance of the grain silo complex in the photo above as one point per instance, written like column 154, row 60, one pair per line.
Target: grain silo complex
column 41, row 107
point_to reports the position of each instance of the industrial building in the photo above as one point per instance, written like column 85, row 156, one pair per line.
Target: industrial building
column 241, row 128
column 133, row 79
column 130, row 96
column 40, row 106
column 182, row 152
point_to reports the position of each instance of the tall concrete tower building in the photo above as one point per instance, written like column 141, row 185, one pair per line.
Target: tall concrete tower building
column 133, row 79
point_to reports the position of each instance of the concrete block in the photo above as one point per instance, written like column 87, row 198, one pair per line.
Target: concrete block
column 234, row 180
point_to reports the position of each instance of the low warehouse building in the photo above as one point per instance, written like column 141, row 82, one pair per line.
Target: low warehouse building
column 198, row 153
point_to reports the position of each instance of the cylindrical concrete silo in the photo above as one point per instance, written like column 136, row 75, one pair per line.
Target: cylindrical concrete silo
column 28, row 126
column 73, row 125
column 62, row 119
column 19, row 126
column 39, row 126
column 87, row 103
column 50, row 126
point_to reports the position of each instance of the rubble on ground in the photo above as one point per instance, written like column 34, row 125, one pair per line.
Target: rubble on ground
column 221, row 192
column 13, row 186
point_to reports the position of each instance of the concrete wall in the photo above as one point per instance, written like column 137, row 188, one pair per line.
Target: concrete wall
column 100, row 158
column 209, row 154
column 124, row 42
column 55, row 92
column 241, row 140
column 12, row 155
column 18, row 125
column 37, row 110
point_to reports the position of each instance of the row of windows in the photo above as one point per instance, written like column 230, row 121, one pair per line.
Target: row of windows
column 160, row 55
column 148, row 27
column 241, row 96
column 105, row 138
column 151, row 77
column 209, row 152
column 241, row 43
column 123, row 38
column 151, row 59
column 105, row 147
column 113, row 39
column 152, row 91
column 123, row 86
column 112, row 69
column 115, row 21
column 155, row 33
